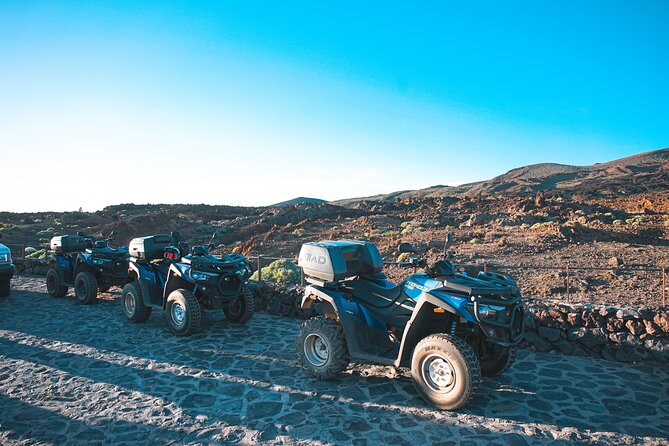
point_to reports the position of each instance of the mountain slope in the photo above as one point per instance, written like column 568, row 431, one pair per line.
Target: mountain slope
column 299, row 200
column 641, row 173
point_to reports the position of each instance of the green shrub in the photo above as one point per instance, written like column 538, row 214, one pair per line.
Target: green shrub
column 45, row 234
column 390, row 233
column 280, row 271
column 404, row 257
column 39, row 254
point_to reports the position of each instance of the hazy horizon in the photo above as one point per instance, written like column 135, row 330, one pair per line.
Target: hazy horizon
column 253, row 104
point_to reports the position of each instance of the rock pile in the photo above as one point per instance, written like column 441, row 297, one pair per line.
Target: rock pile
column 619, row 334
column 280, row 300
column 33, row 267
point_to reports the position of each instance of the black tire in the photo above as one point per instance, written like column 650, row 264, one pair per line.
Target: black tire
column 497, row 361
column 4, row 288
column 132, row 303
column 103, row 288
column 242, row 308
column 183, row 312
column 321, row 347
column 53, row 286
column 445, row 371
column 85, row 288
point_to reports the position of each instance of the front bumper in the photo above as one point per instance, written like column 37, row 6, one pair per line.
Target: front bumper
column 6, row 271
column 507, row 327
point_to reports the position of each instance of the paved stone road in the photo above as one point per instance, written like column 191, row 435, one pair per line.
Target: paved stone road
column 73, row 374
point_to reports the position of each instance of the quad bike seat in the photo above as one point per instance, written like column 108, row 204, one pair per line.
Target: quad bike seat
column 108, row 253
column 376, row 293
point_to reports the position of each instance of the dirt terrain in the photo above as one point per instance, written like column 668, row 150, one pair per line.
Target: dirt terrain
column 76, row 374
column 613, row 215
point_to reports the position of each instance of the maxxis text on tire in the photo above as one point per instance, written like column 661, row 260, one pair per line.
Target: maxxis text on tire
column 85, row 288
column 242, row 309
column 132, row 303
column 436, row 354
column 183, row 312
column 53, row 286
column 329, row 335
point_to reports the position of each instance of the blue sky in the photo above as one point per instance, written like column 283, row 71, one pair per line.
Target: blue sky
column 257, row 102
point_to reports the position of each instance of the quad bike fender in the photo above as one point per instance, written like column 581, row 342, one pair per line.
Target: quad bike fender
column 178, row 277
column 64, row 268
column 83, row 263
column 146, row 278
column 314, row 295
column 419, row 325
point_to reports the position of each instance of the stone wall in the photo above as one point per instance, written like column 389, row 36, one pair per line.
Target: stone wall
column 33, row 267
column 617, row 334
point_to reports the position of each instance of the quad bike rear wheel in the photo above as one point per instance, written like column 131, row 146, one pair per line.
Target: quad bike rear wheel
column 321, row 347
column 242, row 308
column 53, row 286
column 445, row 371
column 4, row 288
column 85, row 288
column 133, row 303
column 183, row 312
column 497, row 359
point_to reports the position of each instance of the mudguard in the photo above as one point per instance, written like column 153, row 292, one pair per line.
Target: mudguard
column 150, row 282
column 417, row 328
column 64, row 266
column 178, row 277
column 366, row 335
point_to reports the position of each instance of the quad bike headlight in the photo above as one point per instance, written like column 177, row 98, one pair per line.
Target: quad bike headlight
column 98, row 261
column 6, row 258
column 201, row 276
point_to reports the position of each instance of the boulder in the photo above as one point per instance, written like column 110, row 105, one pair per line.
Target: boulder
column 549, row 333
column 540, row 343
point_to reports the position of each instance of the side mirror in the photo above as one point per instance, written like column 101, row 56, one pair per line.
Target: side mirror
column 200, row 251
column 406, row 247
column 81, row 234
column 175, row 234
column 111, row 235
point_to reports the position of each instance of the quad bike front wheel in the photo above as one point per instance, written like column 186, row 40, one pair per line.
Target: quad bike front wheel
column 53, row 286
column 133, row 303
column 183, row 312
column 4, row 288
column 242, row 308
column 496, row 359
column 321, row 347
column 85, row 288
column 445, row 371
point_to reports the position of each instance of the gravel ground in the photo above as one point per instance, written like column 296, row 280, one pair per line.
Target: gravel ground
column 72, row 374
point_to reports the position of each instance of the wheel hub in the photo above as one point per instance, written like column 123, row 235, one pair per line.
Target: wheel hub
column 129, row 303
column 316, row 350
column 178, row 313
column 438, row 372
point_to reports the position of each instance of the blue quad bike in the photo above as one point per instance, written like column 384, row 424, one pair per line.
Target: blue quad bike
column 86, row 264
column 164, row 274
column 448, row 328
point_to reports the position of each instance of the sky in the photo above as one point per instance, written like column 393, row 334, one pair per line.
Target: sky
column 251, row 103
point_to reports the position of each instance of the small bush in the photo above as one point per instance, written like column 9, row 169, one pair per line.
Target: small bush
column 390, row 233
column 404, row 257
column 280, row 271
column 39, row 254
